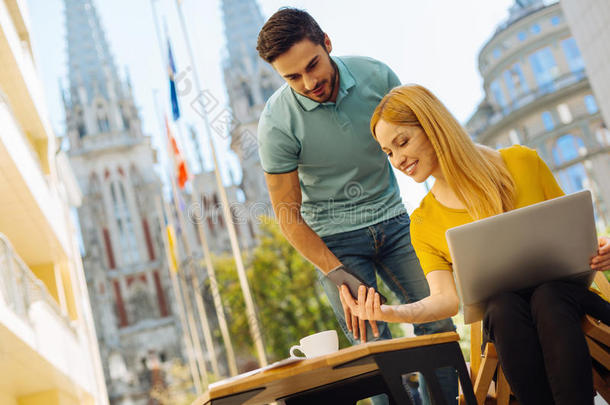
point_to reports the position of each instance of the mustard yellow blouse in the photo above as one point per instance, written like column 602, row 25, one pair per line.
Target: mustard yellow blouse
column 534, row 183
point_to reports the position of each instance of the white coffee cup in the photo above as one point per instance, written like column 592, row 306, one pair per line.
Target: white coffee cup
column 317, row 344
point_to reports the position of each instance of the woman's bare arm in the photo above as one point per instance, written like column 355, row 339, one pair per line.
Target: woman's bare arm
column 442, row 303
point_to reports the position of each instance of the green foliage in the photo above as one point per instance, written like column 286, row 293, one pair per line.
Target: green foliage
column 290, row 302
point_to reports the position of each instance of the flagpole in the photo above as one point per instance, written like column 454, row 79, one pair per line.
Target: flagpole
column 176, row 288
column 224, row 329
column 207, row 335
column 232, row 364
column 187, row 297
column 194, row 277
column 241, row 272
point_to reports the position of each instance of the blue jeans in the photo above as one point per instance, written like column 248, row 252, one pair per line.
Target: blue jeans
column 385, row 249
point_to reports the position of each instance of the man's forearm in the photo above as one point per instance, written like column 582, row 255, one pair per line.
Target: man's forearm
column 308, row 243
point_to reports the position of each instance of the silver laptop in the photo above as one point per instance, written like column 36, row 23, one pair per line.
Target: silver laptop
column 554, row 239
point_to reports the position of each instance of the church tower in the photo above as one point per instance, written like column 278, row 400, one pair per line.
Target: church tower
column 124, row 262
column 250, row 81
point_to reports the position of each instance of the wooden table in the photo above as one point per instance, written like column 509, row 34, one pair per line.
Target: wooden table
column 350, row 374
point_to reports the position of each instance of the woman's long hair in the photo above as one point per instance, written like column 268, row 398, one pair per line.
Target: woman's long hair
column 476, row 174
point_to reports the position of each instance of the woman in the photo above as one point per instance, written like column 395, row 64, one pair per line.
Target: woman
column 537, row 332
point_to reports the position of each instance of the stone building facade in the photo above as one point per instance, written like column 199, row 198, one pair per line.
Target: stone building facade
column 537, row 93
column 125, row 267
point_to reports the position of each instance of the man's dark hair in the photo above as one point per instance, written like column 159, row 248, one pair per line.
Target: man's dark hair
column 285, row 28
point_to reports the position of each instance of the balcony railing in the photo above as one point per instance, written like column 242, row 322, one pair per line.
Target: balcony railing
column 529, row 97
column 20, row 288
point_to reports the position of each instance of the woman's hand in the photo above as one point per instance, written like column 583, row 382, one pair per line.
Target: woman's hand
column 602, row 260
column 369, row 306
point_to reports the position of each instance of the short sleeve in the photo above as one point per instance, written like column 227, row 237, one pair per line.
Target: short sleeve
column 430, row 258
column 547, row 180
column 278, row 150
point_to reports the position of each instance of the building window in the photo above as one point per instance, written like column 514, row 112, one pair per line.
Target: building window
column 573, row 179
column 109, row 251
column 555, row 20
column 547, row 121
column 514, row 137
column 573, row 56
column 497, row 53
column 80, row 124
column 163, row 308
column 535, row 29
column 127, row 238
column 120, row 305
column 102, row 119
column 545, row 68
column 603, row 135
column 522, row 36
column 567, row 148
column 564, row 113
column 591, row 104
column 496, row 90
column 147, row 236
column 515, row 82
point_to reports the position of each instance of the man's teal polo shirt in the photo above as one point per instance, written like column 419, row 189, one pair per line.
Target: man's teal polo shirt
column 346, row 180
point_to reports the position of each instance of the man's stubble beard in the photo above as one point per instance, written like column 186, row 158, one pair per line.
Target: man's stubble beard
column 334, row 78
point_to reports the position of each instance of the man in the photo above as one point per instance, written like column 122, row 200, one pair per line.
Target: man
column 332, row 188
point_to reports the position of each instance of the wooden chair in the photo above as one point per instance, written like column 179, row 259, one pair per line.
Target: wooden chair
column 483, row 366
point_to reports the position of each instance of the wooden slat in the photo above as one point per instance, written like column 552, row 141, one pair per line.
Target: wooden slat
column 476, row 340
column 602, row 283
column 503, row 390
column 596, row 330
column 485, row 375
column 598, row 353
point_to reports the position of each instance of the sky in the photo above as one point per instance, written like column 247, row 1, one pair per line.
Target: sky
column 434, row 43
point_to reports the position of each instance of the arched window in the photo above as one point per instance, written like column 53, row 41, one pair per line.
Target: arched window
column 80, row 123
column 102, row 118
column 127, row 239
column 568, row 147
column 573, row 178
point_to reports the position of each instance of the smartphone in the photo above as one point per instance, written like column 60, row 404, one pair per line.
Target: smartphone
column 341, row 276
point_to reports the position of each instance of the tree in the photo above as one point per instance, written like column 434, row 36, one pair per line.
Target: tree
column 290, row 301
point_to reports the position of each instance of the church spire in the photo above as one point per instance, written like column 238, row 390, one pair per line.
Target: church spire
column 242, row 21
column 99, row 104
column 89, row 56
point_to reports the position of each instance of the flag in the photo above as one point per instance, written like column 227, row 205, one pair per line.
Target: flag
column 171, row 71
column 171, row 242
column 180, row 170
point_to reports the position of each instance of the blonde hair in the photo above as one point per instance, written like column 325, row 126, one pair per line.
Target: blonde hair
column 476, row 174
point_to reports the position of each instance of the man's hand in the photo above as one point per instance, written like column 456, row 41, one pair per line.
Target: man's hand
column 601, row 262
column 351, row 320
column 354, row 312
column 368, row 307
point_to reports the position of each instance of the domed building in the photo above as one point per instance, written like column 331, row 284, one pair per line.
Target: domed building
column 537, row 94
